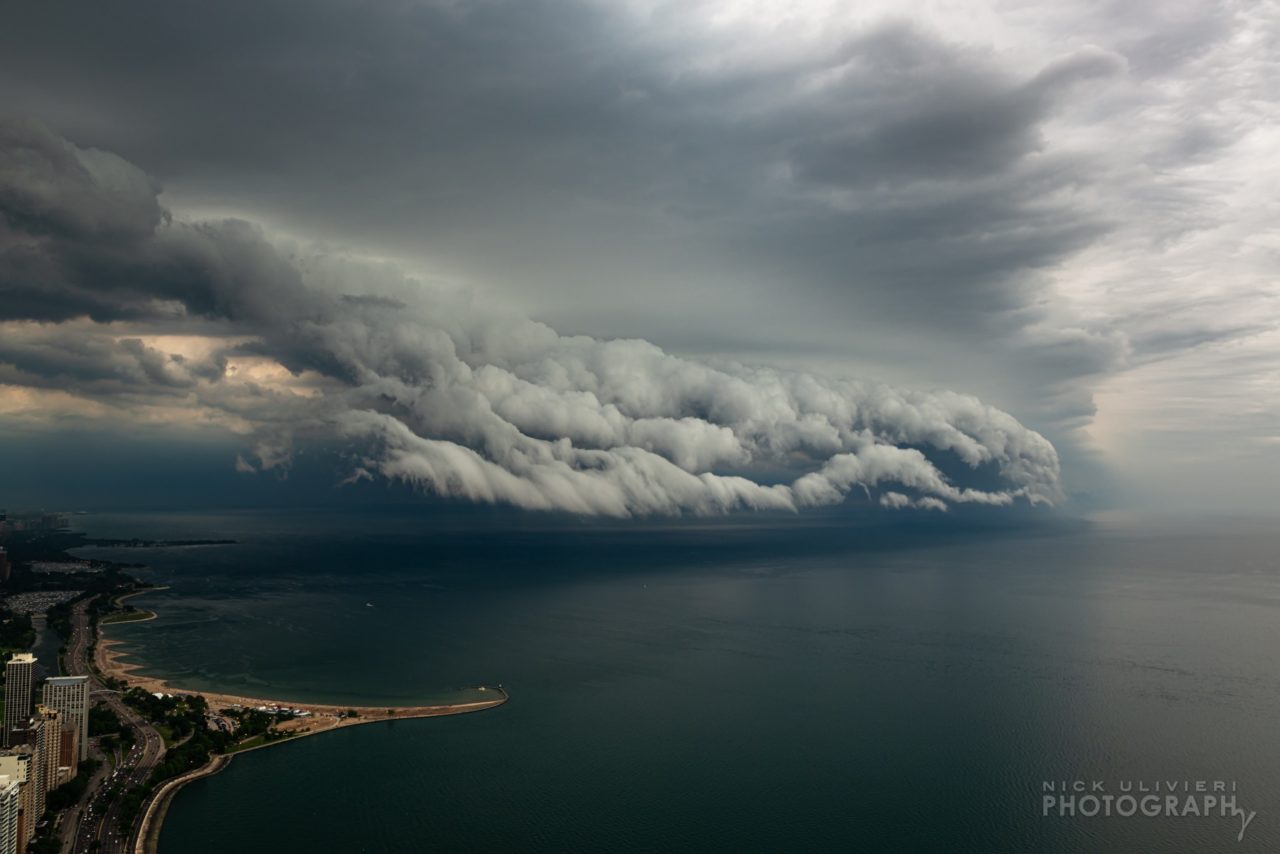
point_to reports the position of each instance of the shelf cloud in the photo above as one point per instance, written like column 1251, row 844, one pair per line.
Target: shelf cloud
column 111, row 299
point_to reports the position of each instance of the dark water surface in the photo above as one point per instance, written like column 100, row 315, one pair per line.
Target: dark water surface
column 721, row 688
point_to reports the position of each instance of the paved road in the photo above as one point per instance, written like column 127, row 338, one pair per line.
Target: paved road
column 69, row 823
column 100, row 820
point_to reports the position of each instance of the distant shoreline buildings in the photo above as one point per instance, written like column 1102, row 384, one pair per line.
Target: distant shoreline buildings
column 12, row 523
column 33, row 521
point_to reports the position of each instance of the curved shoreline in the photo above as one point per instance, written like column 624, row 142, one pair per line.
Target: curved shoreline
column 148, row 839
column 111, row 664
column 321, row 718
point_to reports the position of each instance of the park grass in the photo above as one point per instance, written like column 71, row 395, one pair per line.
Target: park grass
column 256, row 741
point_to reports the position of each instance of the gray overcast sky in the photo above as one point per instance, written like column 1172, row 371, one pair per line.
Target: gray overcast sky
column 1066, row 210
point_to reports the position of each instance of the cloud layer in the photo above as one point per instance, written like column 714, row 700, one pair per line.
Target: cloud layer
column 1064, row 209
column 107, row 297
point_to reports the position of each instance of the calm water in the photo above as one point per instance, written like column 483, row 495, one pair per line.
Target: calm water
column 722, row 688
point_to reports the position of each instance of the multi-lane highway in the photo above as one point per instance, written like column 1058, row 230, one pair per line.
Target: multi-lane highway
column 101, row 811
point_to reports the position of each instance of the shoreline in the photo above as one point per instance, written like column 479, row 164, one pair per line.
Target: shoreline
column 322, row 718
column 148, row 839
column 110, row 663
column 141, row 615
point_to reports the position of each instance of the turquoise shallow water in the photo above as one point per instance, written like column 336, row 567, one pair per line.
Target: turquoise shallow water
column 703, row 688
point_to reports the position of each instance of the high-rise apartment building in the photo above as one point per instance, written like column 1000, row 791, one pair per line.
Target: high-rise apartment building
column 30, row 740
column 19, row 672
column 69, row 695
column 50, row 743
column 10, row 813
column 15, row 763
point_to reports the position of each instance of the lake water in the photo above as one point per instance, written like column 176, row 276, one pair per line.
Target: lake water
column 763, row 685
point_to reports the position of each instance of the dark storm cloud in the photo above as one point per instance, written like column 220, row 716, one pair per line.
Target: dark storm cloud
column 464, row 400
column 80, row 236
column 424, row 123
column 51, row 188
column 918, row 111
column 908, row 194
column 72, row 359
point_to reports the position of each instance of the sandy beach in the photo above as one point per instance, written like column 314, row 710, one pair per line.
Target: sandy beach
column 111, row 663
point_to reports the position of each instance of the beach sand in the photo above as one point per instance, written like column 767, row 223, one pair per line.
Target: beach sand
column 110, row 663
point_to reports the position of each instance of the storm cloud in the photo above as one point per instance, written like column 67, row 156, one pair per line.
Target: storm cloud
column 1051, row 207
column 432, row 387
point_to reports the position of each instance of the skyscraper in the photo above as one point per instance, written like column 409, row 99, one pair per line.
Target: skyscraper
column 69, row 696
column 15, row 763
column 31, row 740
column 50, row 735
column 10, row 803
column 19, row 672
